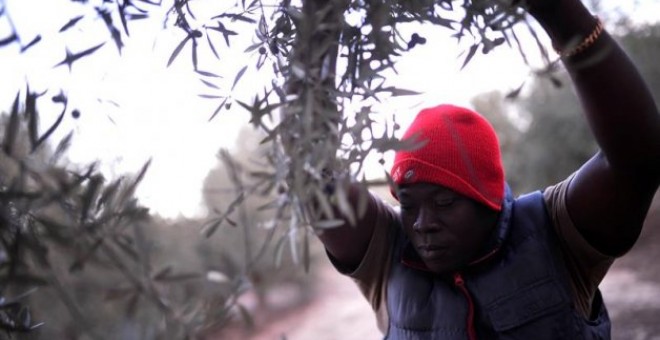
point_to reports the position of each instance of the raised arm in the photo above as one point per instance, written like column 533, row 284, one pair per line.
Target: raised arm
column 610, row 195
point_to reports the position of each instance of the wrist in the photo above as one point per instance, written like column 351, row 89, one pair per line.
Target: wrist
column 567, row 22
column 576, row 46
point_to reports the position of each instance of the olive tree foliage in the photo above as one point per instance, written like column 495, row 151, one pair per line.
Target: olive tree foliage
column 77, row 253
column 251, row 252
column 80, row 257
column 328, row 61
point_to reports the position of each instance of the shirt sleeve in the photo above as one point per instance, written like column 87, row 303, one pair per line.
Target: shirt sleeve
column 586, row 265
column 371, row 274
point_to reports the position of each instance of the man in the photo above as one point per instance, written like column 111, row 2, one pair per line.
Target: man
column 463, row 259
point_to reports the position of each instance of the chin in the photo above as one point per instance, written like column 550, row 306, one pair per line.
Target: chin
column 442, row 268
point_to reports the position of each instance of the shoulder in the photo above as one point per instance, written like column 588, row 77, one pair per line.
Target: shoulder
column 586, row 265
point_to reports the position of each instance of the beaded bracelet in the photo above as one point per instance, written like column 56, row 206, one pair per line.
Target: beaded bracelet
column 586, row 43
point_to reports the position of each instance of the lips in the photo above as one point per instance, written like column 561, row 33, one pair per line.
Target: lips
column 431, row 247
column 432, row 251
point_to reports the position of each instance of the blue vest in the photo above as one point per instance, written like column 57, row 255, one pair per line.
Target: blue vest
column 519, row 291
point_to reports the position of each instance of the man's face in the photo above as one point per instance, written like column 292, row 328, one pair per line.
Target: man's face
column 448, row 230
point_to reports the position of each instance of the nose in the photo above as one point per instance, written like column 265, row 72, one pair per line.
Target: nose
column 425, row 222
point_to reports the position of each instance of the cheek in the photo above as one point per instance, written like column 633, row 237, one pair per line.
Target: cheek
column 408, row 217
column 472, row 233
column 407, row 221
column 465, row 227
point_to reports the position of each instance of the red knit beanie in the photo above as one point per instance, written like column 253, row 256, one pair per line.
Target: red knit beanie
column 459, row 151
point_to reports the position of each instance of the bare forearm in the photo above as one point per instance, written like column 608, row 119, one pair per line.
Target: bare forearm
column 348, row 243
column 617, row 102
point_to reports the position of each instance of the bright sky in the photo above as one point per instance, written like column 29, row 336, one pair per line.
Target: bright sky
column 160, row 115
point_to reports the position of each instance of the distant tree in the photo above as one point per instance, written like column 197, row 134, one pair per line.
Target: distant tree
column 558, row 140
column 643, row 46
column 498, row 111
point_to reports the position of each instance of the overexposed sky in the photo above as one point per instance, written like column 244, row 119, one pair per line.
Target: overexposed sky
column 159, row 114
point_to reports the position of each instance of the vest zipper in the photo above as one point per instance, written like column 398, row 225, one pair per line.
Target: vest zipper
column 460, row 283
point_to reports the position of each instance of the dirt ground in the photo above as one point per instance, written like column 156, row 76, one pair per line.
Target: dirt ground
column 631, row 291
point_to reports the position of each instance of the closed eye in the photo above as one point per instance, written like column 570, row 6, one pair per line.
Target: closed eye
column 407, row 207
column 443, row 201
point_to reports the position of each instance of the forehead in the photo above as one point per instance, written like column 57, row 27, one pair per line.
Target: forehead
column 423, row 189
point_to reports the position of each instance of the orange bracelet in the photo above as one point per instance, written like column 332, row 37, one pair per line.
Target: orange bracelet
column 586, row 43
